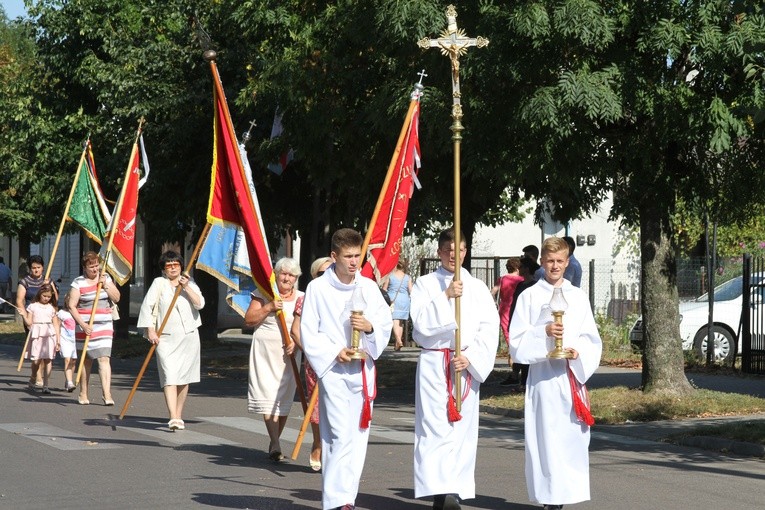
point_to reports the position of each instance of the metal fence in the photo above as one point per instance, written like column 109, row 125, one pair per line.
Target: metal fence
column 753, row 317
column 613, row 285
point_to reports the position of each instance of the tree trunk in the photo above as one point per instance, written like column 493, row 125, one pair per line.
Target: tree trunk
column 315, row 240
column 663, row 362
column 24, row 250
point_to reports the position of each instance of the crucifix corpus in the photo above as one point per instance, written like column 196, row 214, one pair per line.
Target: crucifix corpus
column 454, row 44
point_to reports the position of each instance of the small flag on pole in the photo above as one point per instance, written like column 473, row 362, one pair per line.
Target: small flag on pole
column 88, row 208
column 4, row 302
column 119, row 261
column 279, row 166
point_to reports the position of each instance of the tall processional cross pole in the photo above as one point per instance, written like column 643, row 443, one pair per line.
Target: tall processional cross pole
column 454, row 44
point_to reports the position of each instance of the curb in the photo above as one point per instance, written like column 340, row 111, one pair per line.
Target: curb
column 724, row 445
column 711, row 443
column 500, row 411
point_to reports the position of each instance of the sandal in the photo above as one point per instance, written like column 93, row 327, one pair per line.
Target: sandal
column 276, row 456
column 176, row 424
column 315, row 464
column 398, row 346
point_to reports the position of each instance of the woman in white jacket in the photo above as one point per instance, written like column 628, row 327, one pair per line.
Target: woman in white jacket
column 178, row 348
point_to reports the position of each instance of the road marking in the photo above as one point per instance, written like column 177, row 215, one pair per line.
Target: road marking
column 405, row 437
column 163, row 433
column 249, row 425
column 290, row 434
column 56, row 437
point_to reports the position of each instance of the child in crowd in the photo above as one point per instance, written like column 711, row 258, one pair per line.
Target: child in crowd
column 68, row 348
column 43, row 333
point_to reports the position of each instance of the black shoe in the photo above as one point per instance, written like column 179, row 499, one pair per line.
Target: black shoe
column 446, row 502
column 553, row 507
column 452, row 502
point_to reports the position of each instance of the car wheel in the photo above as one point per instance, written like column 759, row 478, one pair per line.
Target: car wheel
column 724, row 352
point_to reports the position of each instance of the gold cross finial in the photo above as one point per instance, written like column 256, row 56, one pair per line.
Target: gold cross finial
column 453, row 43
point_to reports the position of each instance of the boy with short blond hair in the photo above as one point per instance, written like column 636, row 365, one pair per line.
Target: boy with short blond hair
column 557, row 458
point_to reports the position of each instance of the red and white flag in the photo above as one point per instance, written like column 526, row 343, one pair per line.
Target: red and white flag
column 119, row 259
column 387, row 228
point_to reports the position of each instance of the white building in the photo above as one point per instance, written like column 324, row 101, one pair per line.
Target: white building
column 611, row 250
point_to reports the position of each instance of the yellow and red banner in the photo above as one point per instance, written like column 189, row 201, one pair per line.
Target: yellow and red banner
column 233, row 200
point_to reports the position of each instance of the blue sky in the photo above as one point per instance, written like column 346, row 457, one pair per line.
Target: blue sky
column 13, row 8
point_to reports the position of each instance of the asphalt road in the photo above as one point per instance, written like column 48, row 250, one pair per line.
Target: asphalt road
column 56, row 454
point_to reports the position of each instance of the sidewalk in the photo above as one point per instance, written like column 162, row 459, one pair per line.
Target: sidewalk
column 656, row 431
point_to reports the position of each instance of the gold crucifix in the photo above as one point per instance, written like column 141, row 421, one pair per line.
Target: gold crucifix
column 454, row 43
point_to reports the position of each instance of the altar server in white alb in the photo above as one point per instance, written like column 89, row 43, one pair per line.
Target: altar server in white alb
column 557, row 417
column 445, row 443
column 347, row 386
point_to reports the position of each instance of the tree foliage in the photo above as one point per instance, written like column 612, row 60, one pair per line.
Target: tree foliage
column 341, row 73
column 31, row 132
column 650, row 101
column 659, row 103
column 118, row 61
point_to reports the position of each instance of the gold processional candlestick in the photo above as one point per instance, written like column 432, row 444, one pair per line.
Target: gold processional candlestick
column 453, row 43
column 559, row 306
column 358, row 305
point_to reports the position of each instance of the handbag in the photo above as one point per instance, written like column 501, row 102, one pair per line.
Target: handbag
column 115, row 310
column 386, row 297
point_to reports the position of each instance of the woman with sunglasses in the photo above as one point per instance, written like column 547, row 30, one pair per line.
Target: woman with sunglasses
column 178, row 348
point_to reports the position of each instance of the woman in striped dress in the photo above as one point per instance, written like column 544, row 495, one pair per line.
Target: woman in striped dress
column 82, row 295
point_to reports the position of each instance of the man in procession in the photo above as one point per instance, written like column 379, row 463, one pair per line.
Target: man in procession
column 445, row 443
column 347, row 385
column 556, row 410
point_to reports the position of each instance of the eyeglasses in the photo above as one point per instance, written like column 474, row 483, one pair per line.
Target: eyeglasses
column 169, row 265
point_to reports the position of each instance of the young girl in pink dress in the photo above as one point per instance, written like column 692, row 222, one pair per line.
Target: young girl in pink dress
column 43, row 332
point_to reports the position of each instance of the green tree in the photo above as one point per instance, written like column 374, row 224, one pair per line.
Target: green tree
column 647, row 100
column 30, row 132
column 342, row 72
column 118, row 61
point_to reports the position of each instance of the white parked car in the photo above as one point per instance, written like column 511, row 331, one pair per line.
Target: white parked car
column 694, row 316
